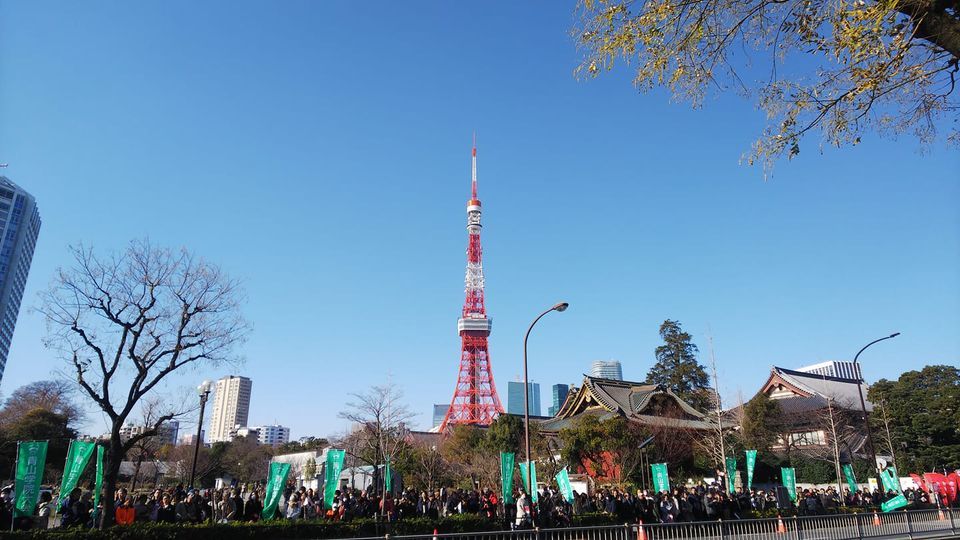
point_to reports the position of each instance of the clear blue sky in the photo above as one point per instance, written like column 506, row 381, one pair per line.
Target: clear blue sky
column 320, row 152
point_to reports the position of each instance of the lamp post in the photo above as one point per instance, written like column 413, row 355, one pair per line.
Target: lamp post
column 863, row 403
column 561, row 306
column 204, row 392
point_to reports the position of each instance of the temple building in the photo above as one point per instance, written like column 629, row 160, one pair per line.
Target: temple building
column 645, row 404
column 807, row 397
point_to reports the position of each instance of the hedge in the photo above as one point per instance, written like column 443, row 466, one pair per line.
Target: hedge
column 293, row 530
column 282, row 529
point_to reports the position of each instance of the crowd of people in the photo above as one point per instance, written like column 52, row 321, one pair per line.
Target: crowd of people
column 550, row 509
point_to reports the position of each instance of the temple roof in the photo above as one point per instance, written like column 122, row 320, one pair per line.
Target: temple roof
column 810, row 391
column 639, row 402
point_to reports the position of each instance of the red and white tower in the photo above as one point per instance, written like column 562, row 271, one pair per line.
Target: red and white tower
column 475, row 399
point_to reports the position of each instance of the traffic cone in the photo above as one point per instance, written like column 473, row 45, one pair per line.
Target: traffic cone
column 781, row 528
column 434, row 534
column 641, row 535
column 876, row 519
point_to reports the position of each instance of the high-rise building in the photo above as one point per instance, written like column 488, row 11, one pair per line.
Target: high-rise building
column 231, row 406
column 834, row 368
column 439, row 413
column 607, row 369
column 272, row 435
column 559, row 392
column 19, row 228
column 475, row 401
column 515, row 397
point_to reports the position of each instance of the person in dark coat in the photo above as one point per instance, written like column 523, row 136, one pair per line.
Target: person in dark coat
column 252, row 508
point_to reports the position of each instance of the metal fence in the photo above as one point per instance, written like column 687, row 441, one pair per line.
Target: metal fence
column 913, row 524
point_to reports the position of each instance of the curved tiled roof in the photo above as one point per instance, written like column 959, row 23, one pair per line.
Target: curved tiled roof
column 608, row 397
column 842, row 391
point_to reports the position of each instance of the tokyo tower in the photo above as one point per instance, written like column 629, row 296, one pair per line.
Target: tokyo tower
column 475, row 399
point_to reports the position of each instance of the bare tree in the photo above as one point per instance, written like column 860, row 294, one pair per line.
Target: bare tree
column 182, row 458
column 246, row 459
column 885, row 436
column 430, row 468
column 145, row 448
column 380, row 425
column 125, row 323
column 713, row 444
column 831, row 423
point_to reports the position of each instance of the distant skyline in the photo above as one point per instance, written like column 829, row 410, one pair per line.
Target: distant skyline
column 320, row 152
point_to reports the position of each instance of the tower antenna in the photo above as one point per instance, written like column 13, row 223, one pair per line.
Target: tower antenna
column 473, row 175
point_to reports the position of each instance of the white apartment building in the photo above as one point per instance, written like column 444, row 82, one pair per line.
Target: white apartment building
column 273, row 435
column 231, row 406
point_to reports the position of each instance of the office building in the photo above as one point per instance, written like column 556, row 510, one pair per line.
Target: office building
column 833, row 368
column 439, row 412
column 559, row 392
column 607, row 369
column 19, row 228
column 231, row 406
column 515, row 398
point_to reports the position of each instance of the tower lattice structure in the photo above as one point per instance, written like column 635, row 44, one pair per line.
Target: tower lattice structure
column 475, row 400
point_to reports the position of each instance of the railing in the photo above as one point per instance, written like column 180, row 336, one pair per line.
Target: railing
column 911, row 525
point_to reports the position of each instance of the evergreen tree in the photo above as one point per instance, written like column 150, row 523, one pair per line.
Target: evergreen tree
column 677, row 367
column 923, row 417
column 761, row 423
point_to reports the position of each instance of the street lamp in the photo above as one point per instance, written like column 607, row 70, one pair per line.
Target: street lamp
column 562, row 306
column 204, row 392
column 863, row 403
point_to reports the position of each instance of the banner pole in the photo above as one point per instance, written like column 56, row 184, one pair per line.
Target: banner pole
column 13, row 512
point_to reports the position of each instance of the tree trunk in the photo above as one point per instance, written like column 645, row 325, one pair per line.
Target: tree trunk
column 136, row 473
column 111, row 472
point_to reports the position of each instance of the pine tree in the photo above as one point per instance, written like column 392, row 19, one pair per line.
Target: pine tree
column 677, row 367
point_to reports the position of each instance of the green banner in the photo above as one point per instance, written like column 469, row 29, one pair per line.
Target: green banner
column 98, row 484
column 897, row 502
column 661, row 480
column 78, row 455
column 331, row 476
column 31, row 459
column 387, row 476
column 275, row 484
column 563, row 480
column 789, row 477
column 506, row 477
column 731, row 474
column 896, row 478
column 751, row 463
column 851, row 479
column 891, row 482
column 533, row 480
